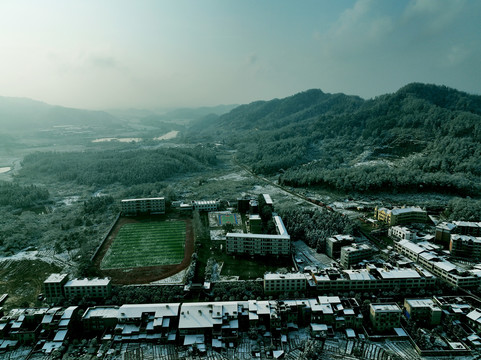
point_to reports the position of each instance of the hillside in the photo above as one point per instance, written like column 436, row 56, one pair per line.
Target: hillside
column 421, row 138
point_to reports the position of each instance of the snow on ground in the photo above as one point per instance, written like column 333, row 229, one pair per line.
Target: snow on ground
column 47, row 256
column 235, row 176
column 311, row 257
column 174, row 279
column 170, row 135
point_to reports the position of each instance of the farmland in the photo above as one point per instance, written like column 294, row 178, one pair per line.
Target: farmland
column 143, row 244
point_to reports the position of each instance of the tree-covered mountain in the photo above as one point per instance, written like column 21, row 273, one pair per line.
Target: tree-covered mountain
column 21, row 115
column 420, row 138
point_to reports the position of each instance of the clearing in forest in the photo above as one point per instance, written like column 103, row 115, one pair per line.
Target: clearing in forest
column 146, row 244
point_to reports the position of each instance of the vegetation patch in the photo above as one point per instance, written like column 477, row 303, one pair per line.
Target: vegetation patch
column 146, row 244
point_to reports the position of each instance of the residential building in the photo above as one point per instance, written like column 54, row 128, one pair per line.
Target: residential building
column 425, row 311
column 445, row 229
column 285, row 283
column 401, row 233
column 335, row 243
column 354, row 254
column 206, row 205
column 53, row 287
column 143, row 206
column 465, row 246
column 401, row 215
column 385, row 317
column 91, row 288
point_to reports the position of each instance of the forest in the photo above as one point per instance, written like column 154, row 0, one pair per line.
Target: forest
column 423, row 138
column 314, row 226
column 18, row 196
column 127, row 167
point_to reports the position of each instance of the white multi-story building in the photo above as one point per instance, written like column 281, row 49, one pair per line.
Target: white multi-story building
column 372, row 278
column 354, row 254
column 422, row 254
column 206, row 205
column 281, row 283
column 92, row 288
column 385, row 316
column 143, row 206
column 260, row 244
column 335, row 243
column 401, row 233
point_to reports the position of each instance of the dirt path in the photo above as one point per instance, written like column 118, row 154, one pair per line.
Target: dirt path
column 146, row 274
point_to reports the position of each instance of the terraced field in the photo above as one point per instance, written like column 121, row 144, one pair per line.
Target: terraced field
column 146, row 244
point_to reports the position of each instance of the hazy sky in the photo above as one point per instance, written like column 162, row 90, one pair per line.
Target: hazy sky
column 116, row 54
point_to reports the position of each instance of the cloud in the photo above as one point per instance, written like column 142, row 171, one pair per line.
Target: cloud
column 357, row 29
column 433, row 16
column 103, row 62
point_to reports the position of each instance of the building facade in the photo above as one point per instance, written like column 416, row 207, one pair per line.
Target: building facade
column 354, row 254
column 206, row 205
column 53, row 287
column 91, row 288
column 143, row 206
column 401, row 233
column 385, row 316
column 400, row 215
column 278, row 244
column 335, row 243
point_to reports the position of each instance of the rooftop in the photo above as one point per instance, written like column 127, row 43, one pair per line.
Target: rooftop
column 55, row 278
column 386, row 307
column 88, row 282
column 143, row 199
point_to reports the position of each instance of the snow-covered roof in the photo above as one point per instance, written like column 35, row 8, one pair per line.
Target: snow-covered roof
column 88, row 282
column 134, row 311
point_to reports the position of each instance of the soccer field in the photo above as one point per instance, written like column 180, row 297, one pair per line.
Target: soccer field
column 146, row 244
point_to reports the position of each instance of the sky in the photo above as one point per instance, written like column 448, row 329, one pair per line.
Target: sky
column 105, row 54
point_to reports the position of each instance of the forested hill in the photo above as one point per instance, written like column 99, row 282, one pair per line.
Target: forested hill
column 20, row 115
column 421, row 138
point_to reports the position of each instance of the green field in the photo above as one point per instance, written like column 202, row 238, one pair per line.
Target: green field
column 223, row 219
column 146, row 244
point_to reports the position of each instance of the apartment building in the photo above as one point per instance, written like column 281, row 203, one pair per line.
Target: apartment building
column 444, row 230
column 335, row 243
column 91, row 288
column 465, row 246
column 400, row 215
column 385, row 316
column 143, row 206
column 351, row 255
column 401, row 233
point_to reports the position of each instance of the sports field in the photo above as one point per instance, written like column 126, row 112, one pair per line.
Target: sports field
column 146, row 244
column 227, row 219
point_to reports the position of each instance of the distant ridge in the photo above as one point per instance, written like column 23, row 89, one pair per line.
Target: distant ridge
column 423, row 137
